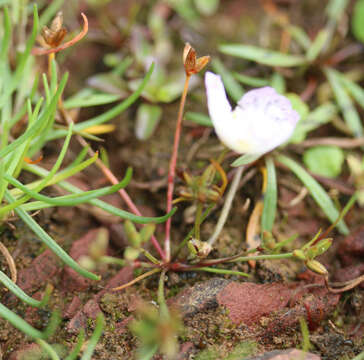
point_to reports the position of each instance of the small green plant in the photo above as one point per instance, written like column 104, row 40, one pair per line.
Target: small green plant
column 247, row 130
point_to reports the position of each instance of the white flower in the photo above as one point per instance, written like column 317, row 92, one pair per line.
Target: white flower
column 261, row 121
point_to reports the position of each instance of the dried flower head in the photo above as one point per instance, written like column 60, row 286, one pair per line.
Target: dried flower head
column 262, row 120
column 54, row 35
column 192, row 64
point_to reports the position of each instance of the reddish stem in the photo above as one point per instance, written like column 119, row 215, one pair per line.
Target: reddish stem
column 172, row 169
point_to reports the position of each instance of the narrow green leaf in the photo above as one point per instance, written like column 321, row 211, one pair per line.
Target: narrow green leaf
column 245, row 159
column 47, row 240
column 233, row 88
column 77, row 349
column 5, row 41
column 357, row 20
column 22, row 61
column 262, row 56
column 299, row 35
column 147, row 119
column 270, row 197
column 335, row 9
column 317, row 191
column 347, row 107
column 278, row 82
column 355, row 90
column 103, row 205
column 88, row 97
column 108, row 115
column 251, row 80
column 49, row 349
column 38, row 124
column 17, row 291
column 198, row 118
column 91, row 344
column 74, row 199
column 19, row 323
column 50, row 12
column 6, row 209
column 318, row 44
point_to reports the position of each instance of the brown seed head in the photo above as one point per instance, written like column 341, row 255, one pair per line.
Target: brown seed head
column 54, row 35
column 192, row 64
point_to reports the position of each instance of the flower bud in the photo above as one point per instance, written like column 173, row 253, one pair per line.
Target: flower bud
column 318, row 249
column 316, row 267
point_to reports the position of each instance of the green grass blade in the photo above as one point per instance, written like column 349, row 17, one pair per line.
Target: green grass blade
column 6, row 209
column 88, row 97
column 50, row 12
column 335, row 9
column 48, row 349
column 74, row 199
column 38, row 124
column 317, row 191
column 346, row 106
column 19, row 323
column 108, row 115
column 64, row 174
column 17, row 291
column 76, row 350
column 318, row 44
column 262, row 56
column 22, row 60
column 270, row 197
column 299, row 35
column 5, row 41
column 198, row 118
column 51, row 244
column 233, row 88
column 91, row 344
column 356, row 91
column 245, row 159
column 251, row 80
column 103, row 205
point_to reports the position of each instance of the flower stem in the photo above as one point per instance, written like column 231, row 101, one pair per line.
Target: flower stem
column 227, row 205
column 172, row 169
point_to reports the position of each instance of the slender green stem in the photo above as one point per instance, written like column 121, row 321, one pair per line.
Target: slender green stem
column 198, row 220
column 17, row 291
column 103, row 205
column 91, row 345
column 263, row 257
column 48, row 348
column 221, row 271
column 19, row 323
column 45, row 238
column 227, row 205
column 172, row 170
column 76, row 350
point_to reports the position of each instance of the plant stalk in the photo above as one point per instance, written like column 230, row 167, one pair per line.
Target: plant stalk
column 227, row 205
column 172, row 169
